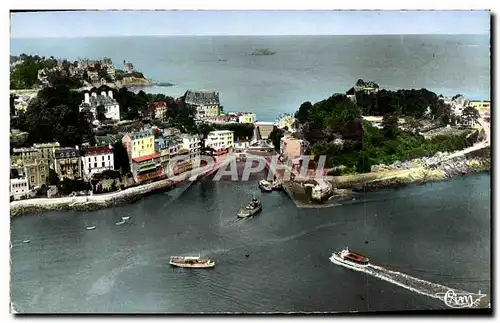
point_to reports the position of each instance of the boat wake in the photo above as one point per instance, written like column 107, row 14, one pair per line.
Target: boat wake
column 411, row 283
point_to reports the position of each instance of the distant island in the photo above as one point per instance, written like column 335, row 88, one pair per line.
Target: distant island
column 263, row 52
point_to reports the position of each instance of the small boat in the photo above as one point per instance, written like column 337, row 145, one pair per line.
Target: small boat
column 191, row 262
column 251, row 209
column 265, row 186
column 276, row 185
column 125, row 218
column 27, row 241
column 349, row 259
column 120, row 223
column 91, row 228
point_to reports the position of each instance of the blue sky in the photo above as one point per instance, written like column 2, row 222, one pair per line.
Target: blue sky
column 179, row 23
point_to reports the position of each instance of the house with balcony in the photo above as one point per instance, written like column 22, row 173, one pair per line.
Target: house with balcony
column 36, row 172
column 47, row 150
column 68, row 163
column 21, row 156
column 146, row 168
column 168, row 147
column 221, row 141
column 96, row 160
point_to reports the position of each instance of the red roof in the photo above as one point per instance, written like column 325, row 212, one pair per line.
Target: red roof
column 144, row 158
column 158, row 104
column 98, row 151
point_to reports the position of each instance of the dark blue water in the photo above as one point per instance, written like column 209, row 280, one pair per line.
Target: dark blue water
column 305, row 68
column 439, row 232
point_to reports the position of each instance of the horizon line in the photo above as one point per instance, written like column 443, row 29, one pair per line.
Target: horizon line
column 253, row 35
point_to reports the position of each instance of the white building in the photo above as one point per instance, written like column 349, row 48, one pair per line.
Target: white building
column 111, row 106
column 221, row 140
column 286, row 121
column 247, row 118
column 96, row 160
column 192, row 143
column 18, row 187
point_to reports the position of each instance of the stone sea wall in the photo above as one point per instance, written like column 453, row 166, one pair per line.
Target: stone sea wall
column 94, row 202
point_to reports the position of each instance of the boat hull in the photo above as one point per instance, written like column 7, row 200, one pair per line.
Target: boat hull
column 241, row 214
column 194, row 266
column 335, row 258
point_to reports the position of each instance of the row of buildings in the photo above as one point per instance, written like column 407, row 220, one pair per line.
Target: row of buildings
column 150, row 153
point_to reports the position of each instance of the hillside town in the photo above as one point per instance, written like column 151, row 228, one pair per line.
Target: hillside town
column 136, row 156
column 39, row 170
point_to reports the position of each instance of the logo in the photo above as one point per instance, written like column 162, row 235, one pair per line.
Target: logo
column 456, row 299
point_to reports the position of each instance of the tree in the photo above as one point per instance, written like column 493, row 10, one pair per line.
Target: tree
column 53, row 115
column 304, row 111
column 275, row 137
column 470, row 115
column 390, row 125
column 121, row 158
column 13, row 97
column 100, row 113
column 414, row 125
column 52, row 179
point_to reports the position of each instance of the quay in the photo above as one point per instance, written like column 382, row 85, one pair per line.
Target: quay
column 111, row 199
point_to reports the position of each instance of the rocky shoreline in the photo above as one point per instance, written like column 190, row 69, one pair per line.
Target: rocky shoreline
column 398, row 175
column 418, row 172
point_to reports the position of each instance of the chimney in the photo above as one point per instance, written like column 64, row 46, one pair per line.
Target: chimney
column 110, row 94
column 103, row 93
column 94, row 95
column 87, row 98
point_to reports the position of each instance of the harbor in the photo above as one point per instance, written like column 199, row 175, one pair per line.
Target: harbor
column 102, row 265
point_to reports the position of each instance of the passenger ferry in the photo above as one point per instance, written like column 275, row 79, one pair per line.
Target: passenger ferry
column 350, row 259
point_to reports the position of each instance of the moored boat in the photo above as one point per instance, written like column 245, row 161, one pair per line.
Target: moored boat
column 265, row 186
column 91, row 228
column 276, row 185
column 191, row 262
column 125, row 218
column 350, row 259
column 252, row 208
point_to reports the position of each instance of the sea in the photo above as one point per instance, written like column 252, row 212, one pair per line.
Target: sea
column 304, row 68
column 278, row 261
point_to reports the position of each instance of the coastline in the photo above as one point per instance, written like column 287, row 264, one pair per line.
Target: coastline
column 348, row 186
column 106, row 200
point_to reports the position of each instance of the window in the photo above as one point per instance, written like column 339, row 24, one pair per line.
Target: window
column 89, row 160
column 32, row 179
column 90, row 166
column 95, row 165
column 109, row 157
column 102, row 157
column 103, row 164
column 95, row 158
